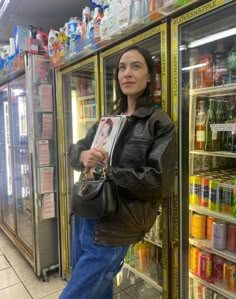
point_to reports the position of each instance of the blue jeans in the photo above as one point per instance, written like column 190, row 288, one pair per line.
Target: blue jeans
column 93, row 266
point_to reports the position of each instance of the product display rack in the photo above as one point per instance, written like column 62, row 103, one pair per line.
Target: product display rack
column 28, row 196
column 212, row 168
column 155, row 41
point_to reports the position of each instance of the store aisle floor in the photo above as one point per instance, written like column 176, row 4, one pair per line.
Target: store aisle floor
column 18, row 281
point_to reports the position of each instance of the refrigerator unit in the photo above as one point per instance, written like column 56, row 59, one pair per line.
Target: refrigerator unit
column 28, row 194
column 204, row 109
column 77, row 109
column 152, row 254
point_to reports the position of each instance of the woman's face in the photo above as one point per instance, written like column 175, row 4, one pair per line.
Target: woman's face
column 103, row 135
column 133, row 74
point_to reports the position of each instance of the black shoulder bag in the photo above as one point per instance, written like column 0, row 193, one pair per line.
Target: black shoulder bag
column 94, row 198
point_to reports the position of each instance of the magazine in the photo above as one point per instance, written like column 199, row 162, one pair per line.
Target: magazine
column 108, row 131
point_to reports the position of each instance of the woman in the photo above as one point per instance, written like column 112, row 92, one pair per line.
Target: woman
column 143, row 169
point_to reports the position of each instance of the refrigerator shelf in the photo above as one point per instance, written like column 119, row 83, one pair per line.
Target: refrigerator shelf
column 157, row 243
column 217, row 287
column 92, row 96
column 214, row 154
column 144, row 276
column 205, row 244
column 227, row 89
column 218, row 215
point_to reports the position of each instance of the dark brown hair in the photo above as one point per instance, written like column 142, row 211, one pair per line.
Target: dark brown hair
column 147, row 98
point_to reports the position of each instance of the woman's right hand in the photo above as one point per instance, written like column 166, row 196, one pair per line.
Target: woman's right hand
column 92, row 157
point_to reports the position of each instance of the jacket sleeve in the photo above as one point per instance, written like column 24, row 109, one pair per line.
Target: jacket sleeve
column 82, row 145
column 155, row 180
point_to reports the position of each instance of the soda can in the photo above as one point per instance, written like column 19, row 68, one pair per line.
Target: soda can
column 194, row 252
column 227, row 200
column 210, row 221
column 232, row 278
column 231, row 238
column 218, row 267
column 213, row 184
column 198, row 226
column 194, row 190
column 205, row 265
column 206, row 163
column 197, row 163
column 206, row 293
column 218, row 239
column 204, row 192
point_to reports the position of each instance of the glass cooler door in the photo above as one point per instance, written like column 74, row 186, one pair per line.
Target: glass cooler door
column 78, row 109
column 153, row 270
column 204, row 71
column 7, row 197
column 21, row 161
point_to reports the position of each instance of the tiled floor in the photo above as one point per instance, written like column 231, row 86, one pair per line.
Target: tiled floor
column 18, row 281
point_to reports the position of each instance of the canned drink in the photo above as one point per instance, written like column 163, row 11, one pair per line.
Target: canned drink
column 197, row 163
column 212, row 194
column 206, row 163
column 227, row 200
column 204, row 192
column 198, row 226
column 218, row 267
column 232, row 278
column 210, row 221
column 194, row 252
column 231, row 238
column 218, row 239
column 194, row 190
column 207, row 293
column 205, row 265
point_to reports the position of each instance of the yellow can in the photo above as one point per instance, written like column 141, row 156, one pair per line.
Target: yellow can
column 199, row 226
column 194, row 190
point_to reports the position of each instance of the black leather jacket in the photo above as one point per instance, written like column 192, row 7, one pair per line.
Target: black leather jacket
column 143, row 167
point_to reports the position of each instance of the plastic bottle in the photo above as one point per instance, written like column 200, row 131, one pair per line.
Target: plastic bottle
column 43, row 42
column 153, row 13
column 135, row 12
column 220, row 64
column 104, row 34
column 62, row 42
column 97, row 22
column 52, row 40
column 232, row 63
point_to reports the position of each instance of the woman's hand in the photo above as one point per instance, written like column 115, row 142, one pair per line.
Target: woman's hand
column 92, row 157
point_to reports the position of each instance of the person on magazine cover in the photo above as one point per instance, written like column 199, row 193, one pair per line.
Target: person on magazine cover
column 143, row 168
column 103, row 136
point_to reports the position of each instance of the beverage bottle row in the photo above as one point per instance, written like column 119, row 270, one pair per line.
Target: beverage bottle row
column 209, row 111
column 146, row 258
column 215, row 67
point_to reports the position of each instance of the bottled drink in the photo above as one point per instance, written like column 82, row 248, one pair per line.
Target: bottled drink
column 200, row 126
column 205, row 72
column 220, row 119
column 232, row 63
column 220, row 64
column 210, row 136
column 228, row 120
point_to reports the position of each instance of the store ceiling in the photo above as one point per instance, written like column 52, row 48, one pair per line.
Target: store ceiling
column 40, row 13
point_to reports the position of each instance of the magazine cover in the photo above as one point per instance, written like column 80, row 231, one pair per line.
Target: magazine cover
column 108, row 131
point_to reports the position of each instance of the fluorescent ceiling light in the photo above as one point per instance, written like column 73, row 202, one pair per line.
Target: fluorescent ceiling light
column 4, row 7
column 213, row 37
column 195, row 66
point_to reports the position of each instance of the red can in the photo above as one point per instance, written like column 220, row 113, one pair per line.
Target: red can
column 204, row 265
column 218, row 268
column 204, row 198
column 231, row 238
